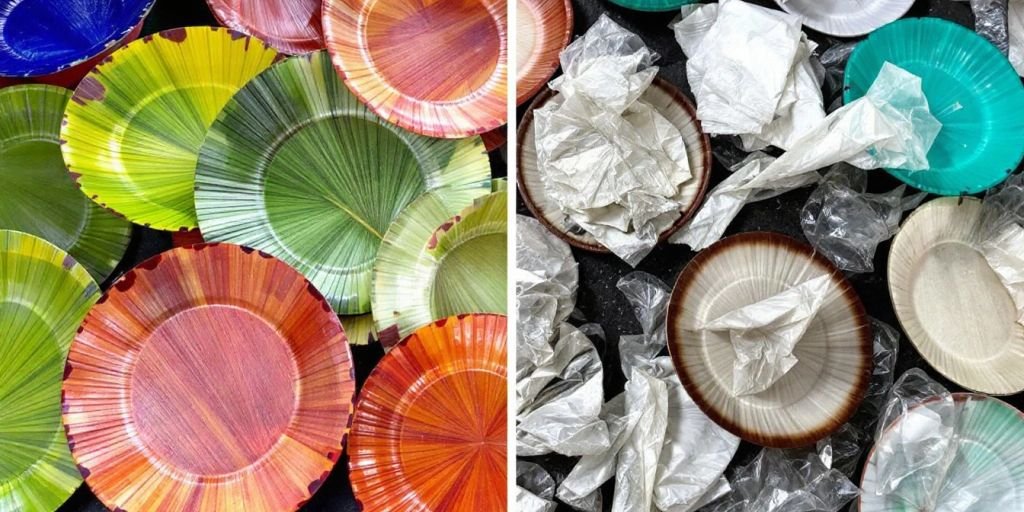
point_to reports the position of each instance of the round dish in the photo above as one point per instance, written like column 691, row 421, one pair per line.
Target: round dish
column 982, row 139
column 44, row 295
column 543, row 29
column 134, row 127
column 38, row 39
column 670, row 103
column 653, row 5
column 39, row 196
column 214, row 377
column 433, row 264
column 297, row 167
column 827, row 384
column 70, row 77
column 846, row 19
column 990, row 457
column 435, row 68
column 291, row 26
column 360, row 329
column 963, row 322
column 429, row 431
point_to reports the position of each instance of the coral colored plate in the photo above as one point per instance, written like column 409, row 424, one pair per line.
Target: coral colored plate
column 292, row 26
column 435, row 68
column 135, row 125
column 42, row 37
column 429, row 431
column 212, row 377
column 44, row 295
column 543, row 29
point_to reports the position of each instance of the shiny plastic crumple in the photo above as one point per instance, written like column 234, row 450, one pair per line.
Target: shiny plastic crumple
column 612, row 162
column 990, row 22
column 535, row 489
column 846, row 224
column 665, row 453
column 1015, row 25
column 833, row 61
column 560, row 403
column 750, row 70
column 546, row 280
column 764, row 334
column 1003, row 245
column 890, row 127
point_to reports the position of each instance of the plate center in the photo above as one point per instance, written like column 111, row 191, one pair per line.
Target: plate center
column 433, row 51
column 31, row 369
column 965, row 311
column 33, row 173
column 213, row 389
column 471, row 278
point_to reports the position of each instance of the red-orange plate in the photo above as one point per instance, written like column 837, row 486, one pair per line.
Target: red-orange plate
column 437, row 68
column 429, row 428
column 291, row 26
column 211, row 377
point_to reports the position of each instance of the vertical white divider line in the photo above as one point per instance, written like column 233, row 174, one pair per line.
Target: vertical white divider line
column 511, row 152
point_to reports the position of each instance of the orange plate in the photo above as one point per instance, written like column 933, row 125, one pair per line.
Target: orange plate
column 429, row 428
column 544, row 28
column 291, row 26
column 436, row 68
column 212, row 377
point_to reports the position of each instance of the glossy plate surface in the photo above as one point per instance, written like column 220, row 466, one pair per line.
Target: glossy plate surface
column 291, row 26
column 543, row 29
column 212, row 377
column 844, row 18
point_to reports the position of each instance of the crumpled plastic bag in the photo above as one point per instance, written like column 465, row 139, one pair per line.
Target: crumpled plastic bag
column 664, row 450
column 1003, row 243
column 846, row 224
column 535, row 489
column 885, row 343
column 890, row 127
column 990, row 22
column 611, row 161
column 764, row 334
column 546, row 281
column 560, row 403
column 1015, row 26
column 833, row 62
column 750, row 69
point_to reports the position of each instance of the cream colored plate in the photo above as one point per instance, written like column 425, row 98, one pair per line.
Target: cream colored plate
column 950, row 302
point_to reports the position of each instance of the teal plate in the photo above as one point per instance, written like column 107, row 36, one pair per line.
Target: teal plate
column 653, row 5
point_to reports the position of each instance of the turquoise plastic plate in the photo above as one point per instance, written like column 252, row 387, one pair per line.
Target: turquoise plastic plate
column 971, row 89
column 653, row 5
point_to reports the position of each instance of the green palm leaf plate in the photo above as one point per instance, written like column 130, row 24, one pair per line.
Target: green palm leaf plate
column 44, row 295
column 39, row 196
column 297, row 167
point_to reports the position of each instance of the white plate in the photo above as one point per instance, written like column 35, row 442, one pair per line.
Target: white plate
column 951, row 303
column 846, row 18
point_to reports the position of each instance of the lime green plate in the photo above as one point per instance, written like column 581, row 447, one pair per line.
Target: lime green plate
column 39, row 196
column 44, row 295
column 297, row 167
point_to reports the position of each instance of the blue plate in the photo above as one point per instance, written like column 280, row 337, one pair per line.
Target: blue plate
column 42, row 37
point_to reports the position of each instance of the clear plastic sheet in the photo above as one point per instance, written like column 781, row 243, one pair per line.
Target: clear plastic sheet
column 1015, row 26
column 613, row 163
column 649, row 298
column 764, row 334
column 846, row 224
column 833, row 61
column 560, row 403
column 546, row 280
column 1003, row 245
column 535, row 489
column 751, row 72
column 889, row 127
column 885, row 342
column 990, row 22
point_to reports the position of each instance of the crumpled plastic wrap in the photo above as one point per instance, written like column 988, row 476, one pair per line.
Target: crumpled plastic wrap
column 535, row 489
column 665, row 453
column 890, row 127
column 1015, row 26
column 560, row 403
column 611, row 161
column 846, row 224
column 1003, row 245
column 751, row 72
column 885, row 343
column 764, row 334
column 990, row 22
column 546, row 281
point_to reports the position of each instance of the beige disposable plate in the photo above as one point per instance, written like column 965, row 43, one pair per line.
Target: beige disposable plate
column 846, row 18
column 951, row 303
column 671, row 103
column 820, row 392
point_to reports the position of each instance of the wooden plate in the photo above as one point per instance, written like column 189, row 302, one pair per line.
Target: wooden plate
column 543, row 29
column 435, row 68
column 951, row 303
column 212, row 377
column 670, row 103
column 429, row 431
column 824, row 388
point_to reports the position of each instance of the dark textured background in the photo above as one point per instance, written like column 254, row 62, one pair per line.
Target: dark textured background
column 600, row 301
column 336, row 494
